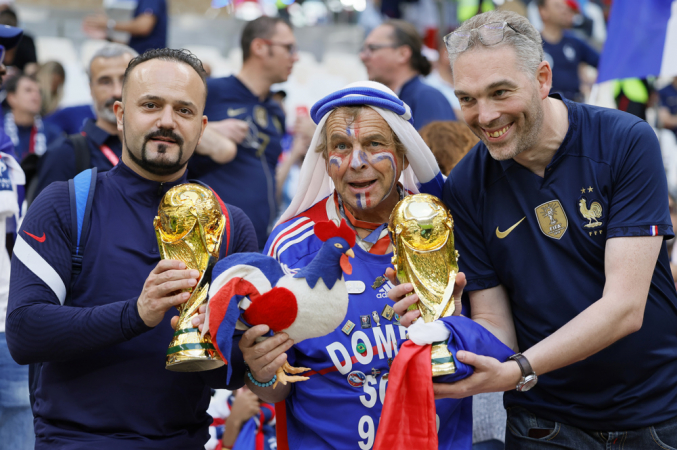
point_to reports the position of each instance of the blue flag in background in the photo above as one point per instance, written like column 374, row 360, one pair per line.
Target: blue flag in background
column 641, row 40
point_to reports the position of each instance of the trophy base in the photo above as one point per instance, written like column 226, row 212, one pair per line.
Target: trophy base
column 190, row 352
column 442, row 359
column 181, row 363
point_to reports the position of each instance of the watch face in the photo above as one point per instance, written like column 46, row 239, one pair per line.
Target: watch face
column 527, row 383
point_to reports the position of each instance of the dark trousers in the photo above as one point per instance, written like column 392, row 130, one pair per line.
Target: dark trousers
column 526, row 431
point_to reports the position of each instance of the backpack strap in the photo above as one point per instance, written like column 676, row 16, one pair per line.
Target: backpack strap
column 82, row 155
column 81, row 192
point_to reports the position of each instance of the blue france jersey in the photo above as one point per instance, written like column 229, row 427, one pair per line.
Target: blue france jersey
column 564, row 58
column 339, row 407
column 544, row 240
column 248, row 181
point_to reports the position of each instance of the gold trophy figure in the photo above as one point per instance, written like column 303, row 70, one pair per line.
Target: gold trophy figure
column 189, row 228
column 421, row 229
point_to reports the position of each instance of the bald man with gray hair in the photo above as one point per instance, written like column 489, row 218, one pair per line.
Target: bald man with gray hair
column 97, row 144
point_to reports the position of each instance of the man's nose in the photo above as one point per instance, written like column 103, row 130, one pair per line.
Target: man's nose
column 117, row 88
column 166, row 119
column 487, row 113
column 358, row 158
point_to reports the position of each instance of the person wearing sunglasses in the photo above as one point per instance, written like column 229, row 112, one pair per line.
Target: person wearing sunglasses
column 560, row 217
column 392, row 55
column 242, row 109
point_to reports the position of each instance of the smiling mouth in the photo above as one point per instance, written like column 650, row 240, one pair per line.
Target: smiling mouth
column 362, row 185
column 498, row 133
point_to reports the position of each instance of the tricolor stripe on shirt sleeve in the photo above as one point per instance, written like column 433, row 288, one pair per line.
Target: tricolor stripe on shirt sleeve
column 41, row 268
column 292, row 234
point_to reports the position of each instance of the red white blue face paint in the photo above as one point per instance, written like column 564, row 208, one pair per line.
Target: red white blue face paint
column 358, row 158
column 376, row 158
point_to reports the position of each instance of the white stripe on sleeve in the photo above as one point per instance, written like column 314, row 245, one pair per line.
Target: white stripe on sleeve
column 41, row 268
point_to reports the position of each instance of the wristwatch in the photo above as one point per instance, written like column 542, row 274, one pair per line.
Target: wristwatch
column 529, row 378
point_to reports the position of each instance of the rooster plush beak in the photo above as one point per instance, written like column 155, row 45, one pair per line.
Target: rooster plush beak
column 345, row 262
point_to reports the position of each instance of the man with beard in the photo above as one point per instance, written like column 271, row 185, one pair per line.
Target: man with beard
column 97, row 144
column 99, row 339
column 560, row 215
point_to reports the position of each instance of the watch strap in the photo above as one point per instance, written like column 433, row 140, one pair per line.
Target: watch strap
column 523, row 364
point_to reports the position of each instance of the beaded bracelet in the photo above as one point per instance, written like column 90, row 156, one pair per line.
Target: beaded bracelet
column 258, row 383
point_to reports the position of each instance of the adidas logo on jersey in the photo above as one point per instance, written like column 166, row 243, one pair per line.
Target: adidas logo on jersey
column 383, row 291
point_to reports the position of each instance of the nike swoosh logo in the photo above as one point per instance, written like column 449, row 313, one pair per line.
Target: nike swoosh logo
column 236, row 112
column 39, row 239
column 503, row 234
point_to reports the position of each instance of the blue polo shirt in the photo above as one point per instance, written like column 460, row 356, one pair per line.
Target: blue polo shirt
column 103, row 382
column 668, row 99
column 58, row 162
column 605, row 181
column 70, row 120
column 158, row 35
column 564, row 58
column 248, row 181
column 427, row 103
column 24, row 133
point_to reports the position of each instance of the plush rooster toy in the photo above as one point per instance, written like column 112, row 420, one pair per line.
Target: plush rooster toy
column 251, row 289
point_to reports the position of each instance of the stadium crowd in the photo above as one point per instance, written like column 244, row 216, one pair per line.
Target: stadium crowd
column 492, row 112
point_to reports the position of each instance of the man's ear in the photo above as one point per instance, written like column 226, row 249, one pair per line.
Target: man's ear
column 119, row 110
column 404, row 53
column 544, row 78
column 257, row 47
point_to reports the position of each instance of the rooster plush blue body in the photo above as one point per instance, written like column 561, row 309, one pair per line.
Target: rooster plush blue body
column 252, row 289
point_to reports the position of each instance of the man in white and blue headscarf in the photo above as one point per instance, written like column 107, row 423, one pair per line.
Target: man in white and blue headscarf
column 364, row 157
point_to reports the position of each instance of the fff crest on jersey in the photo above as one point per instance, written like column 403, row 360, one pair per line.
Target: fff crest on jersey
column 552, row 219
column 261, row 116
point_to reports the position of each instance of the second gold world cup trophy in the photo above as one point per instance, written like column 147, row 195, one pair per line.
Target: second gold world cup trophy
column 189, row 228
column 421, row 230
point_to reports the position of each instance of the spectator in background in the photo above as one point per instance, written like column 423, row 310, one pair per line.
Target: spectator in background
column 51, row 77
column 23, row 123
column 98, row 145
column 23, row 57
column 442, row 79
column 148, row 27
column 667, row 112
column 16, row 418
column 248, row 181
column 392, row 55
column 564, row 51
column 449, row 142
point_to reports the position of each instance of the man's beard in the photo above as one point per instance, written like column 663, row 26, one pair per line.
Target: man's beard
column 158, row 167
column 106, row 111
column 526, row 140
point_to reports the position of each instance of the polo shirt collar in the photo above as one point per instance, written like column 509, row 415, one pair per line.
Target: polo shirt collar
column 96, row 134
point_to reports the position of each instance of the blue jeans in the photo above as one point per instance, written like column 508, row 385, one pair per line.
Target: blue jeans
column 16, row 418
column 525, row 431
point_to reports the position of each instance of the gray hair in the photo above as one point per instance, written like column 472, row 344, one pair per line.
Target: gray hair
column 111, row 50
column 526, row 42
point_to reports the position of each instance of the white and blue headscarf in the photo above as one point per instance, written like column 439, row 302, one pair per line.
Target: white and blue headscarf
column 423, row 173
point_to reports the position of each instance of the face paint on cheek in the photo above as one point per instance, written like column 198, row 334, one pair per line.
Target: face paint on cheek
column 335, row 161
column 386, row 156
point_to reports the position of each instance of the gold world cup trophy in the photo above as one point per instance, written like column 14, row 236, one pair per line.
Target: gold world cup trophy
column 189, row 228
column 421, row 229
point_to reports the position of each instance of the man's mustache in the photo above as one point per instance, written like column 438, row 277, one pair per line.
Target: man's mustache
column 111, row 101
column 165, row 133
